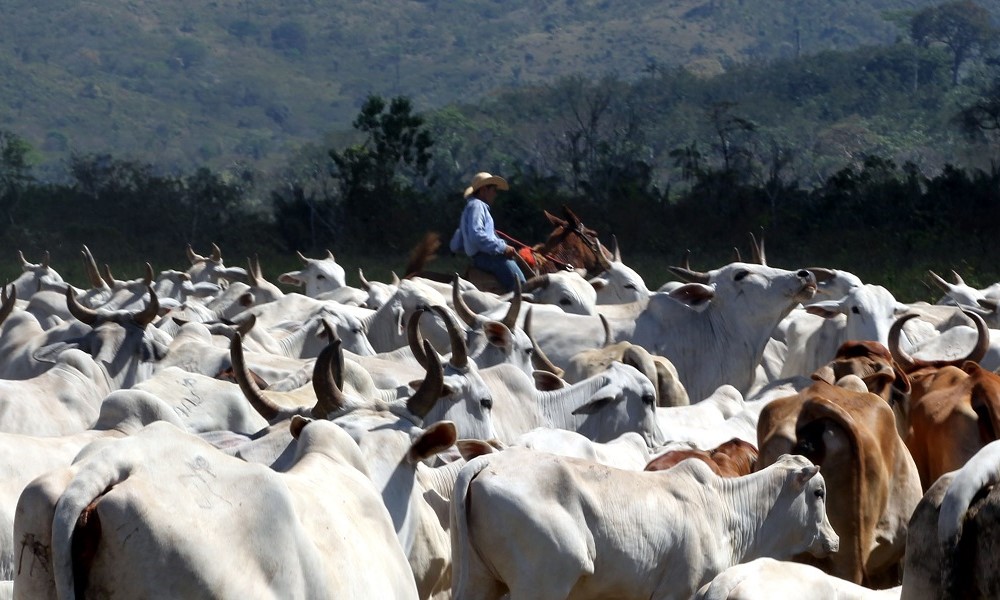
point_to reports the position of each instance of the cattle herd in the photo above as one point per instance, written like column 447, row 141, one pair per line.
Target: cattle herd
column 741, row 433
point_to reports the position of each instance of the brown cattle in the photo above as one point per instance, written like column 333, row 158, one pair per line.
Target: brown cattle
column 734, row 458
column 872, row 482
column 873, row 363
column 957, row 415
column 954, row 406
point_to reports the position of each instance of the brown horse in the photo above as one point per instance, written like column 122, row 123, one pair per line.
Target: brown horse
column 571, row 245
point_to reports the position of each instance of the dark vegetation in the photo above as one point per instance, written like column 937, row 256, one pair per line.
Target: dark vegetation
column 881, row 160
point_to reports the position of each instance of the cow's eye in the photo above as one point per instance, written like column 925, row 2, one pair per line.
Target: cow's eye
column 742, row 273
column 649, row 399
column 856, row 310
column 820, row 494
column 486, row 403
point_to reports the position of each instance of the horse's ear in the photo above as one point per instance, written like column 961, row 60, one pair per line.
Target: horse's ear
column 571, row 216
column 554, row 219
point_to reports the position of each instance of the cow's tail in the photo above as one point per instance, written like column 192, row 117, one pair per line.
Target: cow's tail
column 465, row 554
column 76, row 527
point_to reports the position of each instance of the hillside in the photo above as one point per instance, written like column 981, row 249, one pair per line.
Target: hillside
column 185, row 83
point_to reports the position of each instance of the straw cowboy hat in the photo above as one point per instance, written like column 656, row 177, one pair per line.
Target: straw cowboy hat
column 483, row 179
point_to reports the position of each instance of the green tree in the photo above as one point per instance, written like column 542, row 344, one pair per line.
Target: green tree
column 981, row 118
column 15, row 171
column 378, row 178
column 963, row 27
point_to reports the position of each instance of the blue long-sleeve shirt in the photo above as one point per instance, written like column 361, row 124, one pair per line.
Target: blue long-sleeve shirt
column 476, row 232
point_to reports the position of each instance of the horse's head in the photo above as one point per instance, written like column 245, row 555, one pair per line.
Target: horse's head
column 573, row 245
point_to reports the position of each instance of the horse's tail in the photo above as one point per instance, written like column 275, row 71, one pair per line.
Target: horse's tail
column 423, row 253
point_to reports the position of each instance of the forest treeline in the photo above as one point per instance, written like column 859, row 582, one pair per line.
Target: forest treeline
column 881, row 161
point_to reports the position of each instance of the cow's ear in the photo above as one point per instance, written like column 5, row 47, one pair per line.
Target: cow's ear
column 827, row 310
column 546, row 381
column 435, row 439
column 824, row 373
column 297, row 424
column 50, row 353
column 470, row 449
column 498, row 334
column 803, row 475
column 604, row 396
column 695, row 295
column 598, row 283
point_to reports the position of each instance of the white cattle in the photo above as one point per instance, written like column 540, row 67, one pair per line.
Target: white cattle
column 628, row 451
column 456, row 393
column 34, row 275
column 122, row 342
column 601, row 407
column 867, row 312
column 21, row 335
column 317, row 275
column 729, row 313
column 542, row 526
column 619, row 283
column 393, row 449
column 767, row 579
column 669, row 390
column 210, row 270
column 128, row 519
column 203, row 403
column 64, row 399
column 26, row 457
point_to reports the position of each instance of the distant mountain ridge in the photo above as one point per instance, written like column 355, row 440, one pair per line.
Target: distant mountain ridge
column 182, row 84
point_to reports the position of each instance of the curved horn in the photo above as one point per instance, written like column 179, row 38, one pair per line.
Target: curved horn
column 431, row 387
column 45, row 260
column 904, row 360
column 90, row 265
column 909, row 364
column 80, row 312
column 686, row 260
column 758, row 249
column 193, row 256
column 302, row 257
column 459, row 351
column 510, row 319
column 150, row 276
column 538, row 358
column 602, row 260
column 108, row 277
column 538, row 281
column 328, row 377
column 983, row 341
column 607, row 331
column 264, row 407
column 24, row 262
column 736, row 255
column 216, row 253
column 689, row 275
column 395, row 279
column 244, row 326
column 415, row 340
column 330, row 255
column 944, row 285
column 365, row 284
column 252, row 275
column 8, row 302
column 152, row 310
column 616, row 254
column 958, row 278
column 461, row 308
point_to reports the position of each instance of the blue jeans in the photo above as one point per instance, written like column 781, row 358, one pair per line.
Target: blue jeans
column 505, row 269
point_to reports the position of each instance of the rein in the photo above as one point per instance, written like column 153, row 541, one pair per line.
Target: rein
column 562, row 264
